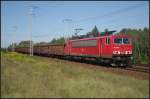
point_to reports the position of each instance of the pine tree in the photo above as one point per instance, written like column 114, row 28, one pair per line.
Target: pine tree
column 95, row 32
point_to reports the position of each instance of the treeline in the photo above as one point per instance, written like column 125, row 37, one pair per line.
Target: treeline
column 60, row 40
column 140, row 41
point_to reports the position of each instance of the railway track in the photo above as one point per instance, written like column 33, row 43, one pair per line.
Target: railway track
column 139, row 68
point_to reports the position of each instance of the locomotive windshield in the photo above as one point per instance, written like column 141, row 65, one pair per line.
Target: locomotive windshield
column 121, row 41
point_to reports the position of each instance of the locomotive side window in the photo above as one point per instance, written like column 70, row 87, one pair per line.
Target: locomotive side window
column 84, row 43
column 107, row 40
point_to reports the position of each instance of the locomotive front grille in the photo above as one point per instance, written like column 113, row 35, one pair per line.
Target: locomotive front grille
column 122, row 57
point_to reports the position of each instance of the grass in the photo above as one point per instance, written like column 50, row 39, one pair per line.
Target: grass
column 29, row 77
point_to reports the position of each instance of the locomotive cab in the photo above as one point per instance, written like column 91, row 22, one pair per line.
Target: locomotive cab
column 122, row 49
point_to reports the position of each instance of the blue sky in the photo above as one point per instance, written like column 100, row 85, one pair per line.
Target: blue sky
column 49, row 15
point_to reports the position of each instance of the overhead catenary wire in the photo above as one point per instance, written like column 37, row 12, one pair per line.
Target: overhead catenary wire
column 109, row 15
column 112, row 13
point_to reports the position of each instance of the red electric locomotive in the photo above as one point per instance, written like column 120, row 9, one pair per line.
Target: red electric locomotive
column 114, row 49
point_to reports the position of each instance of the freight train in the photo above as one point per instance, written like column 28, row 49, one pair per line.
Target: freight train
column 115, row 50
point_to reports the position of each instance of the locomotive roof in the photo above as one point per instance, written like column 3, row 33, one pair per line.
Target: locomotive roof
column 91, row 38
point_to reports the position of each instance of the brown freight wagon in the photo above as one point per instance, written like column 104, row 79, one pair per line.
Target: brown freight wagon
column 56, row 49
column 22, row 49
column 41, row 50
column 49, row 49
column 35, row 49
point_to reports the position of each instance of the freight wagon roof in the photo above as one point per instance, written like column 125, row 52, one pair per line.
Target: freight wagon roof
column 40, row 45
column 49, row 45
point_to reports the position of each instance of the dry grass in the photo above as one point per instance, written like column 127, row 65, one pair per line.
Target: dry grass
column 27, row 77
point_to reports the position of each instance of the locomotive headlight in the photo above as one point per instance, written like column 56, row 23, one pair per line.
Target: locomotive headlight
column 116, row 52
column 128, row 52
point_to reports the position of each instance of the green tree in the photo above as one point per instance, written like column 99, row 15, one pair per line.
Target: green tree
column 94, row 32
column 60, row 40
column 41, row 43
column 140, row 42
column 53, row 41
column 25, row 43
